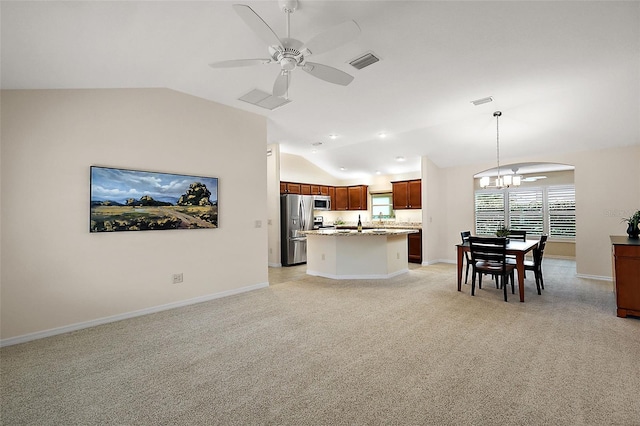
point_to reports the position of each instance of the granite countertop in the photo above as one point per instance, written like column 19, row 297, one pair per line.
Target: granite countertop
column 383, row 225
column 355, row 233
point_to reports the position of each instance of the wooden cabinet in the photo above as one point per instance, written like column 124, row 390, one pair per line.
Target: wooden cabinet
column 407, row 194
column 305, row 189
column 626, row 275
column 342, row 198
column 358, row 197
column 414, row 249
column 290, row 188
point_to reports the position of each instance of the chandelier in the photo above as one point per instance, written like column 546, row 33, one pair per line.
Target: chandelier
column 502, row 181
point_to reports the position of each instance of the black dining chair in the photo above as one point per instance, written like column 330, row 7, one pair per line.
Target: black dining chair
column 488, row 256
column 536, row 264
column 518, row 235
column 465, row 237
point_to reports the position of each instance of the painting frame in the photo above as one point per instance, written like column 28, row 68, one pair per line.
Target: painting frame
column 122, row 199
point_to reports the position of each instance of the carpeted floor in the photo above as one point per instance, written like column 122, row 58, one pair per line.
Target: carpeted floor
column 410, row 350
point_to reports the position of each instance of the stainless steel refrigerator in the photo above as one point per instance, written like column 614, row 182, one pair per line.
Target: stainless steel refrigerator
column 296, row 214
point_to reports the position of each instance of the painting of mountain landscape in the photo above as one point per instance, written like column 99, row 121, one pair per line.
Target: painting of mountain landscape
column 131, row 200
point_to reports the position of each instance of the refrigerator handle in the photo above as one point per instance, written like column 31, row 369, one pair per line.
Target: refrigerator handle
column 303, row 225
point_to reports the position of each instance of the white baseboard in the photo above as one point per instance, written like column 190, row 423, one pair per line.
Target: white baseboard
column 356, row 277
column 275, row 265
column 433, row 262
column 595, row 277
column 99, row 321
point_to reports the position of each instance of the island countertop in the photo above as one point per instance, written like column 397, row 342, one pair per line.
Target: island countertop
column 355, row 233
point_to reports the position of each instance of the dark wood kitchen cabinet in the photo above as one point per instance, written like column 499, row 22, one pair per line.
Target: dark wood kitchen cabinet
column 414, row 247
column 290, row 188
column 342, row 198
column 305, row 189
column 407, row 194
column 358, row 197
column 626, row 275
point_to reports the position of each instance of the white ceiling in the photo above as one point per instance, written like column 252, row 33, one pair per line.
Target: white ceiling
column 566, row 75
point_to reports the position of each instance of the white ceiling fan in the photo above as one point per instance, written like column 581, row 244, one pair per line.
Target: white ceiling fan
column 290, row 53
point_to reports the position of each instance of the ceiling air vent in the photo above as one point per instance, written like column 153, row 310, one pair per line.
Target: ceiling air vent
column 263, row 99
column 364, row 60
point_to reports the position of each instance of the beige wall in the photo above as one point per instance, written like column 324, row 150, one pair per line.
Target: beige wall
column 273, row 204
column 55, row 275
column 606, row 190
column 294, row 168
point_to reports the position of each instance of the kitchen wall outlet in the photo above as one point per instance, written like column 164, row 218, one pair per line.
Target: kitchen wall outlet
column 322, row 256
column 177, row 278
column 258, row 224
column 270, row 250
column 398, row 255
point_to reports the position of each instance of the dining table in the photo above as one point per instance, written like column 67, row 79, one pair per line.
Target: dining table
column 516, row 248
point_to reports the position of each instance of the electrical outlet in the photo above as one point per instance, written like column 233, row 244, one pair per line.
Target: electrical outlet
column 397, row 255
column 322, row 256
column 258, row 224
column 177, row 278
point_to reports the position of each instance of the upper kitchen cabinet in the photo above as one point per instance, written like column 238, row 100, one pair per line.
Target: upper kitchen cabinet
column 319, row 190
column 290, row 188
column 350, row 197
column 305, row 189
column 407, row 194
column 341, row 198
column 358, row 197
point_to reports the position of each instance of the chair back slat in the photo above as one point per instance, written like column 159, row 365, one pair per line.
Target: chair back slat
column 518, row 235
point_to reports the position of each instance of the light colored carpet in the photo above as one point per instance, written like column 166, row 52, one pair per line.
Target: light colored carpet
column 409, row 350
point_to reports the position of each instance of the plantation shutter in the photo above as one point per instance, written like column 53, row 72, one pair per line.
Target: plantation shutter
column 562, row 211
column 489, row 212
column 526, row 211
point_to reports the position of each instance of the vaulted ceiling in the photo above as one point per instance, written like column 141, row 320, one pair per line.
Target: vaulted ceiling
column 566, row 75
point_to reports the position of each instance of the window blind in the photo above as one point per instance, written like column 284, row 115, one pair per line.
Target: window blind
column 562, row 211
column 526, row 211
column 490, row 212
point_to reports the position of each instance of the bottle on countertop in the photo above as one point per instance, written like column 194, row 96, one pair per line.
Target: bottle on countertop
column 359, row 224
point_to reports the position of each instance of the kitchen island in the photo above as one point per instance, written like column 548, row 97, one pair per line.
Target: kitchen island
column 349, row 254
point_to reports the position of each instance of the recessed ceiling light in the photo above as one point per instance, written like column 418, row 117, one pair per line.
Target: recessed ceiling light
column 400, row 158
column 333, row 136
column 378, row 172
column 343, row 168
column 313, row 151
column 382, row 135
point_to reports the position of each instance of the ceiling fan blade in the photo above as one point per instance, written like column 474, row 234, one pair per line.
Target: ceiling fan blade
column 281, row 84
column 327, row 73
column 239, row 63
column 257, row 24
column 333, row 37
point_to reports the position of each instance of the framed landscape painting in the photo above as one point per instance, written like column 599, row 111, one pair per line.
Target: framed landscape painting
column 133, row 200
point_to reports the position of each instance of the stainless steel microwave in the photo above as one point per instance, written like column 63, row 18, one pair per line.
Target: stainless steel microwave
column 321, row 202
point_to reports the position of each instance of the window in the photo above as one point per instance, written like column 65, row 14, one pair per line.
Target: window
column 546, row 210
column 382, row 206
column 489, row 211
column 526, row 212
column 562, row 212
